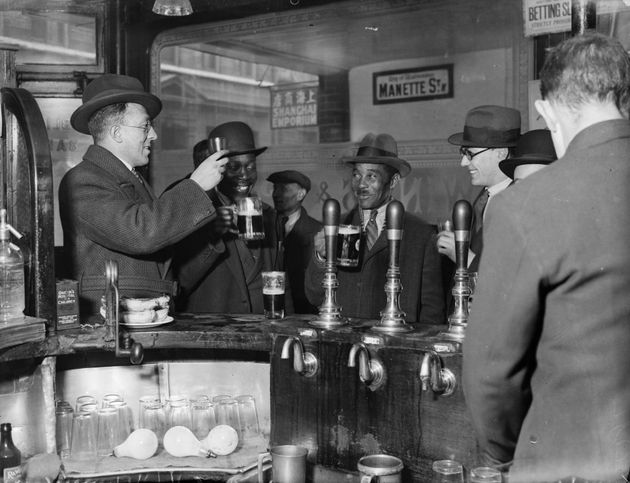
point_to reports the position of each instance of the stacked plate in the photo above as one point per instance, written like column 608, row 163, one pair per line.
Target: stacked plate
column 145, row 312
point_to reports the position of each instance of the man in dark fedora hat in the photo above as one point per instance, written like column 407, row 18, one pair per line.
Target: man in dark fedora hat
column 534, row 150
column 490, row 132
column 218, row 271
column 545, row 360
column 376, row 171
column 109, row 212
column 295, row 230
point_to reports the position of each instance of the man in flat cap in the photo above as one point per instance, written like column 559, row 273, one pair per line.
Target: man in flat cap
column 108, row 210
column 490, row 132
column 218, row 271
column 295, row 230
column 376, row 170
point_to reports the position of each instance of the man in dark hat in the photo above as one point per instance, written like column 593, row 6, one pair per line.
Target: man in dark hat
column 534, row 150
column 376, row 170
column 490, row 132
column 109, row 212
column 295, row 230
column 545, row 360
column 219, row 272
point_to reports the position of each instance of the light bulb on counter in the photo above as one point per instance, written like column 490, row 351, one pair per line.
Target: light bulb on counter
column 140, row 445
column 180, row 441
column 221, row 440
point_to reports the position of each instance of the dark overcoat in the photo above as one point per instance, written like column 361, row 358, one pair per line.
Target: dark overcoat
column 361, row 291
column 546, row 353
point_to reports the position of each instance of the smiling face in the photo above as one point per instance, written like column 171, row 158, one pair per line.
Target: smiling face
column 484, row 167
column 287, row 197
column 372, row 184
column 135, row 145
column 239, row 177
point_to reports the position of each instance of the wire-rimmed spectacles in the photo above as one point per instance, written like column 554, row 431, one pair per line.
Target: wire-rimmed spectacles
column 146, row 127
column 469, row 154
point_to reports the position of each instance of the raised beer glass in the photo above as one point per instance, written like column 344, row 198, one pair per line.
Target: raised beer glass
column 348, row 245
column 249, row 219
column 273, row 294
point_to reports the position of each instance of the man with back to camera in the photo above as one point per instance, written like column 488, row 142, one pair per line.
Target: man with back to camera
column 219, row 272
column 109, row 212
column 490, row 132
column 546, row 357
column 295, row 230
column 376, row 170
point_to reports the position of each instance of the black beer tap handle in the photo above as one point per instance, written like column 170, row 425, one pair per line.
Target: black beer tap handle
column 462, row 217
column 394, row 216
column 330, row 216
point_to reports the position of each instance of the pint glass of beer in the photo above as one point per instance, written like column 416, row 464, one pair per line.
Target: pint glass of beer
column 348, row 245
column 273, row 294
column 249, row 219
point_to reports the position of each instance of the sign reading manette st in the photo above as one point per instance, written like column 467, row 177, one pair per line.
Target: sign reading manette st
column 419, row 84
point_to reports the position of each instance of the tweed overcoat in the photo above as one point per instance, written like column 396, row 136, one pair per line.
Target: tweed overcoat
column 107, row 213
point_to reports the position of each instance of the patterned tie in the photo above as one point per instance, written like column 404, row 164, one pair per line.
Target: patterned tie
column 137, row 175
column 371, row 230
column 479, row 207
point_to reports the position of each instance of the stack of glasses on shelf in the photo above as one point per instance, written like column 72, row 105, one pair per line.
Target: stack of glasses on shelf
column 182, row 426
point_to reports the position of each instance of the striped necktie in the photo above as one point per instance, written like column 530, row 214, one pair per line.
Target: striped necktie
column 137, row 175
column 371, row 230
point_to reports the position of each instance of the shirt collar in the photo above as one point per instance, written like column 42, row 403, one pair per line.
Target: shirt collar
column 292, row 220
column 497, row 188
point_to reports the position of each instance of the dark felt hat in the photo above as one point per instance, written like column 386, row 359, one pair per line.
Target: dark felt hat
column 290, row 176
column 239, row 138
column 533, row 147
column 112, row 89
column 489, row 127
column 380, row 149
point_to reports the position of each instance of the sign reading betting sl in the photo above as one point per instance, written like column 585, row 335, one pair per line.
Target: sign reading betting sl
column 546, row 17
column 407, row 85
column 294, row 107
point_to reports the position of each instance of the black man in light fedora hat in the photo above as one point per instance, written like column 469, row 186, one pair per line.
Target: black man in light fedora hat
column 376, row 171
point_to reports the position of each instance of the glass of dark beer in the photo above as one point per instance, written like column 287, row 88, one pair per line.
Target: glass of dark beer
column 273, row 294
column 348, row 245
column 249, row 219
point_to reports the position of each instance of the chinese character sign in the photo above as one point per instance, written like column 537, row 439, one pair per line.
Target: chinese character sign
column 295, row 107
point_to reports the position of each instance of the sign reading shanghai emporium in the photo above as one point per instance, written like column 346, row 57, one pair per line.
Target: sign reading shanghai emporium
column 294, row 107
column 407, row 85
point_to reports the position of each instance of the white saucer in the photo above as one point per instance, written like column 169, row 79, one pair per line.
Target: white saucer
column 166, row 320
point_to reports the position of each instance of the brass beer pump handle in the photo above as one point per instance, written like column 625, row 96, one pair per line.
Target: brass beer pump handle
column 392, row 317
column 329, row 312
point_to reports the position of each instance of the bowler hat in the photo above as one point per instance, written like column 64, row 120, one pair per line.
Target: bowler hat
column 380, row 149
column 112, row 89
column 239, row 138
column 489, row 127
column 290, row 176
column 533, row 147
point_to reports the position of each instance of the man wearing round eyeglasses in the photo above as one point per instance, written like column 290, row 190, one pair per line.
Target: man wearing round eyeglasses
column 109, row 212
column 490, row 132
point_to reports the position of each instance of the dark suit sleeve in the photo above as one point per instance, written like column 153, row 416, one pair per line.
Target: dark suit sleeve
column 500, row 336
column 432, row 295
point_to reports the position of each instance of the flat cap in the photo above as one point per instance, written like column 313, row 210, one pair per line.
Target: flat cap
column 290, row 176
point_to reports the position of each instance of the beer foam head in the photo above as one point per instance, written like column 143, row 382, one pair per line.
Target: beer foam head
column 349, row 229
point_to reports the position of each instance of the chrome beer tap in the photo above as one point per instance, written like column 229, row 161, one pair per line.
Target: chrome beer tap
column 134, row 350
column 458, row 320
column 392, row 317
column 371, row 369
column 435, row 376
column 329, row 311
column 304, row 363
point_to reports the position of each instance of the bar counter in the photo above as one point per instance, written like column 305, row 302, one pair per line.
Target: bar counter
column 336, row 411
